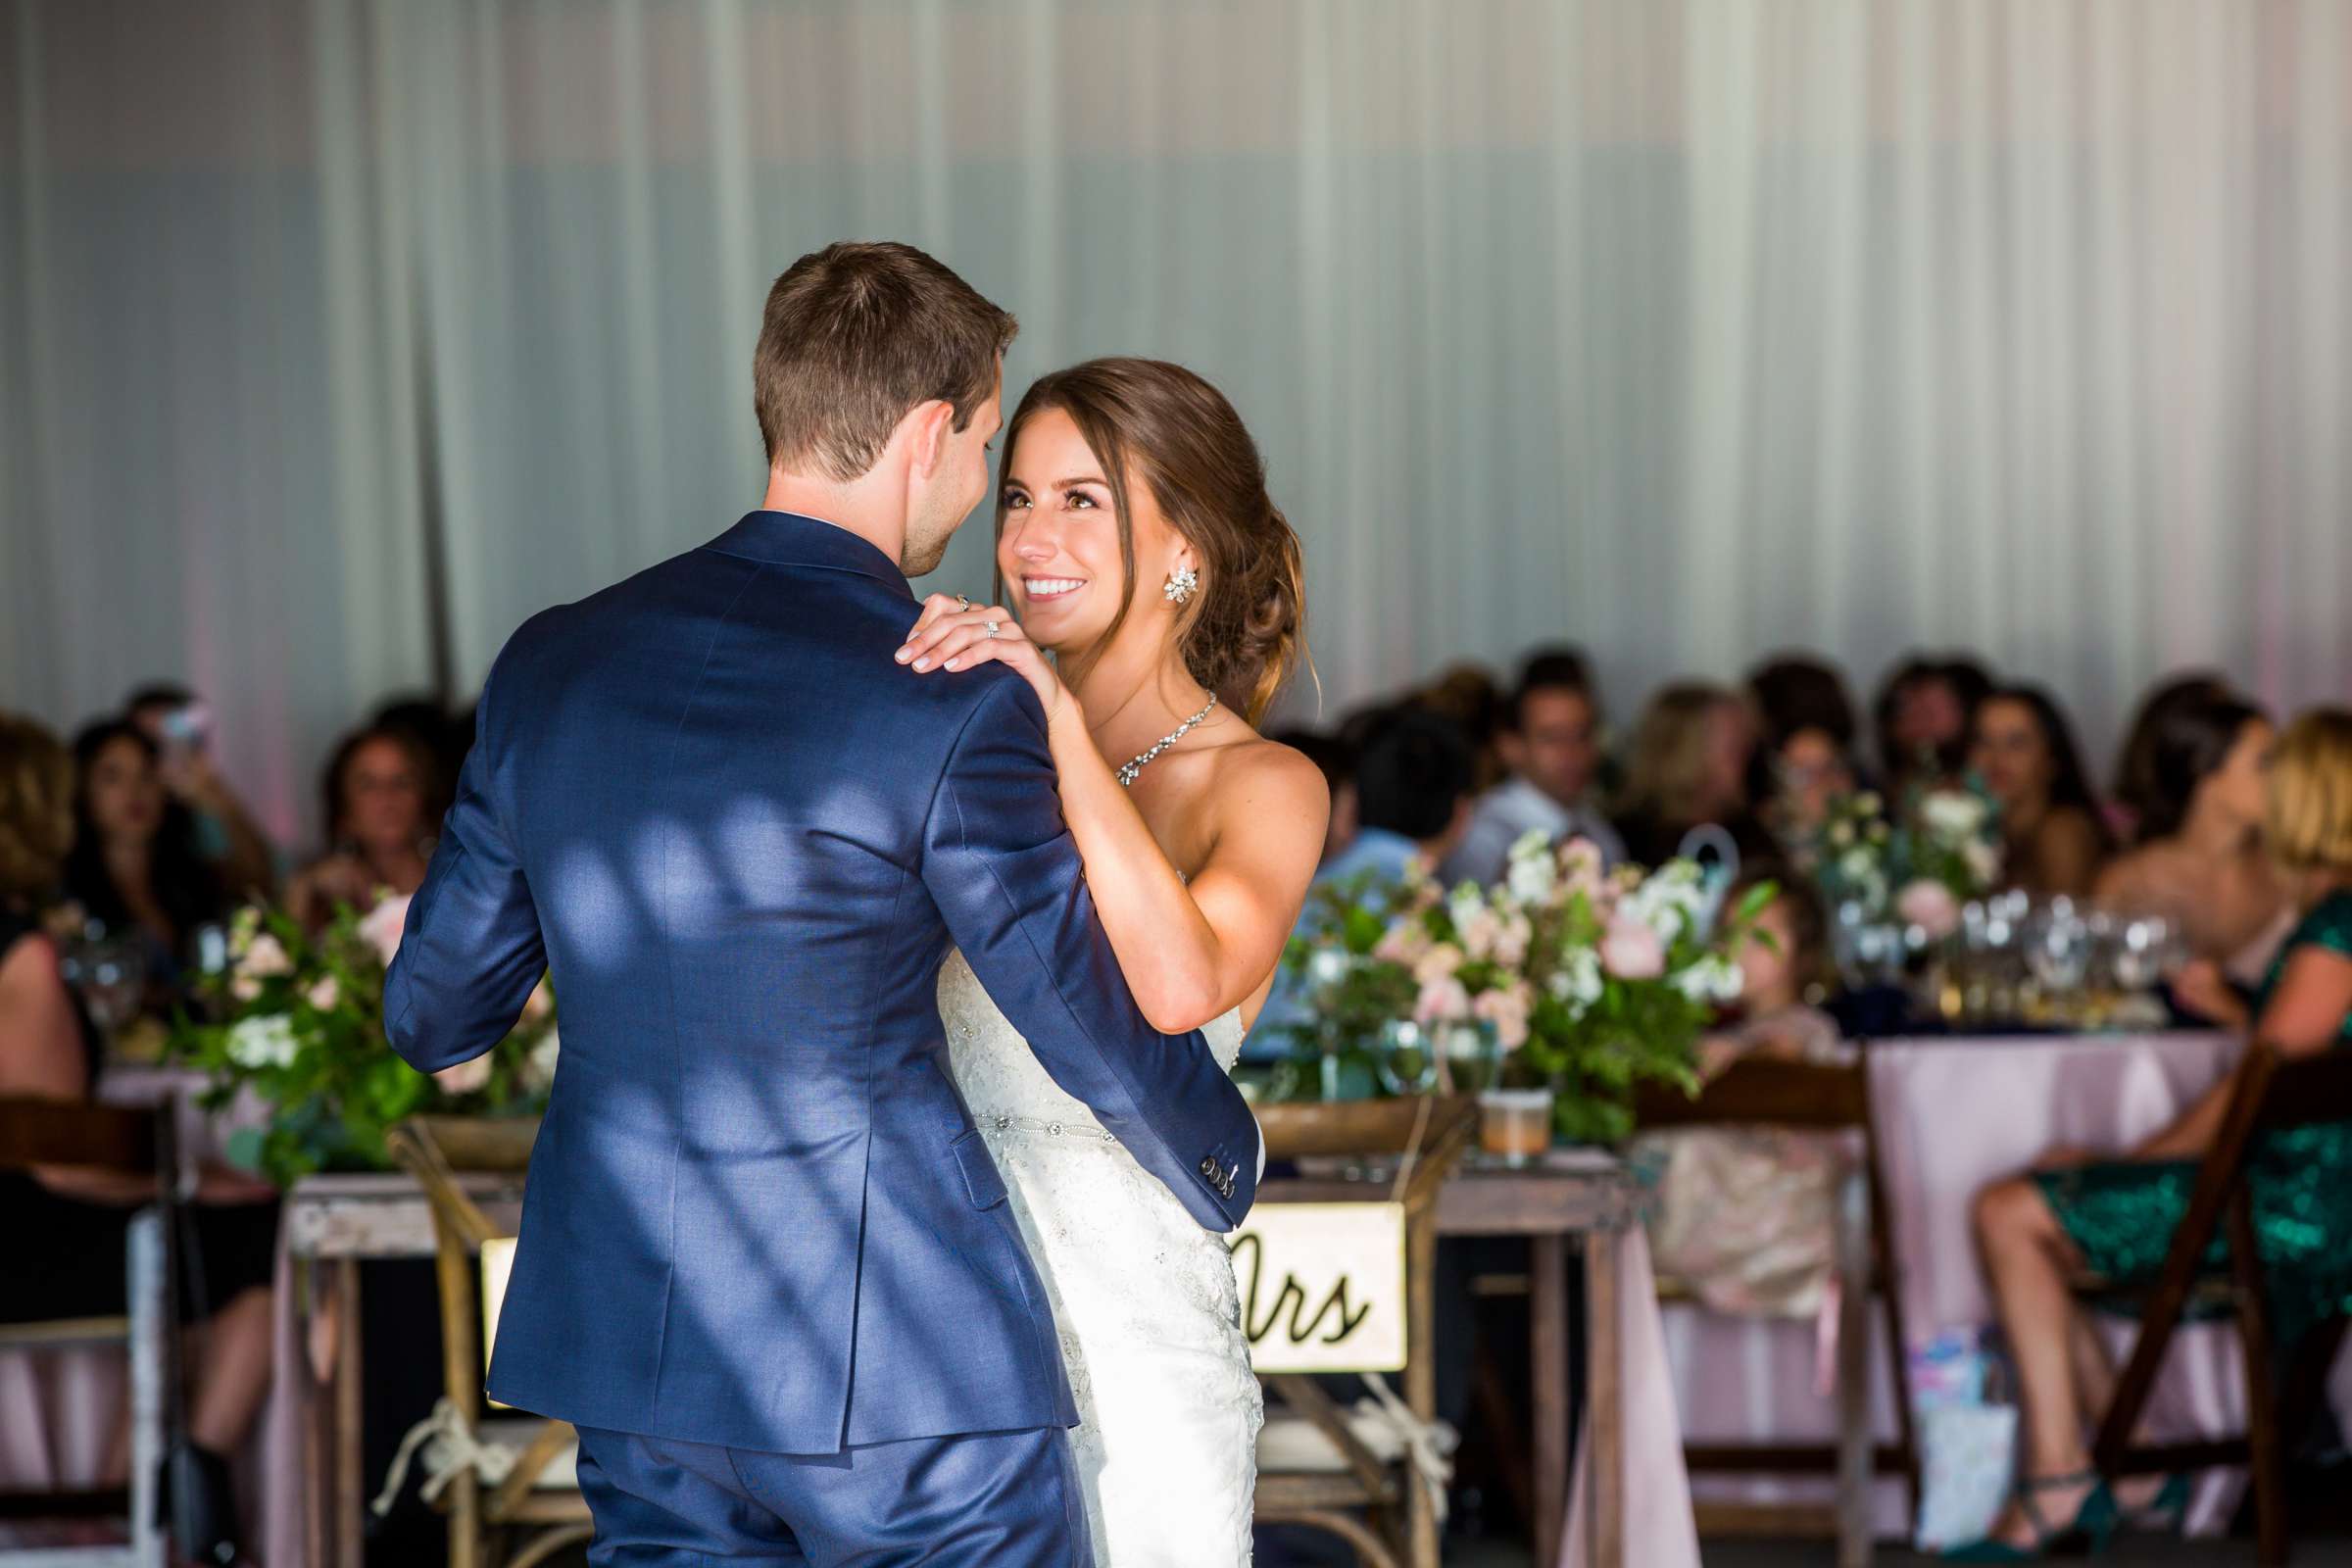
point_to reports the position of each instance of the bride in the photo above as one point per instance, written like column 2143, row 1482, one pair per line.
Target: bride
column 1139, row 547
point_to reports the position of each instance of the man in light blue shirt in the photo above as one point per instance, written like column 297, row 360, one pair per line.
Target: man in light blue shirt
column 1412, row 785
column 1551, row 743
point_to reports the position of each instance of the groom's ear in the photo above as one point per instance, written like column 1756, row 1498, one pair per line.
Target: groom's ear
column 928, row 427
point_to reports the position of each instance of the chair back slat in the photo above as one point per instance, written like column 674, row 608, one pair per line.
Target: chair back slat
column 64, row 1132
column 2309, row 1091
column 1755, row 1093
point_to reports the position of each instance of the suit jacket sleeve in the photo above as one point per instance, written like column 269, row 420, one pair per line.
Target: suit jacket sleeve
column 472, row 950
column 1009, row 881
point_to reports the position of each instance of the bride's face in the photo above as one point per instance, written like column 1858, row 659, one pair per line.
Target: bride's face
column 1060, row 551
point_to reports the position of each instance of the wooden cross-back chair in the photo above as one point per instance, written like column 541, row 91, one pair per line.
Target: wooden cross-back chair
column 133, row 1143
column 535, row 1502
column 1383, row 1510
column 1816, row 1097
column 2272, row 1093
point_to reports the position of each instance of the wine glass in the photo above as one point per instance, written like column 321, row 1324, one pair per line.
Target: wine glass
column 111, row 974
column 1408, row 1061
column 2058, row 944
column 1473, row 1056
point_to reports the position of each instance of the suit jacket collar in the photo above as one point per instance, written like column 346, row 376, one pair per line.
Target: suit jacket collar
column 786, row 538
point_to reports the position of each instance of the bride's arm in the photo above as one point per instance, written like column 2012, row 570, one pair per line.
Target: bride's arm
column 1193, row 953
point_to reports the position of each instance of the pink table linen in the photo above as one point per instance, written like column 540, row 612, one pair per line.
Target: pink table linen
column 1659, row 1529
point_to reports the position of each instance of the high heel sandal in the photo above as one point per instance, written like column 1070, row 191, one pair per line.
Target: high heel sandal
column 2165, row 1512
column 2085, row 1534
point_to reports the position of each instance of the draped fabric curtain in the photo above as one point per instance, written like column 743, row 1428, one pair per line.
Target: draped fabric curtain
column 338, row 337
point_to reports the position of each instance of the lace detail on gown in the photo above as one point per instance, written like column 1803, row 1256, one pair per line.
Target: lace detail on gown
column 1144, row 1299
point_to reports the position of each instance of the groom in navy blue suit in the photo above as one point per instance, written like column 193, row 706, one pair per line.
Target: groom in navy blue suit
column 767, row 1266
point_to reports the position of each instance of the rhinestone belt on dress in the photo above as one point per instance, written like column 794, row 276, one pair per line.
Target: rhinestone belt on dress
column 1080, row 1131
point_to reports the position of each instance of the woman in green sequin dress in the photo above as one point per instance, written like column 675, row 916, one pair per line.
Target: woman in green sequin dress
column 2116, row 1218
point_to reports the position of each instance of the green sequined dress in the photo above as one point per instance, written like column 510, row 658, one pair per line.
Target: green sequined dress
column 2122, row 1213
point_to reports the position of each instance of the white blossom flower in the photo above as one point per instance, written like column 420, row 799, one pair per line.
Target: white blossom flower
column 1465, row 904
column 1327, row 966
column 1577, row 983
column 1952, row 815
column 323, row 994
column 543, row 1061
column 262, row 1042
column 1711, row 978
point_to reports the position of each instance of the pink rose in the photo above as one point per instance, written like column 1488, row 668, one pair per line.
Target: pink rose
column 1480, row 934
column 1632, row 951
column 381, row 927
column 245, row 988
column 466, row 1077
column 1442, row 1001
column 266, row 957
column 1403, row 942
column 1506, row 1009
column 1438, row 963
column 1931, row 907
column 1512, row 942
column 324, row 995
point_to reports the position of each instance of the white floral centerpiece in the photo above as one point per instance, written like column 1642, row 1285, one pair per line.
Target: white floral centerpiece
column 1591, row 982
column 299, row 1022
column 1914, row 870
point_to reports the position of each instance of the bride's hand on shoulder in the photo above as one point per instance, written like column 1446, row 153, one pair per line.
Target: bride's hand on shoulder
column 954, row 634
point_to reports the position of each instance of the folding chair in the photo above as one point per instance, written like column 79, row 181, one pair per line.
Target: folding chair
column 2272, row 1093
column 37, row 1132
column 1813, row 1097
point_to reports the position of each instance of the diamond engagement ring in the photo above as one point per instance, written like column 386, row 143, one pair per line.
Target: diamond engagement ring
column 988, row 627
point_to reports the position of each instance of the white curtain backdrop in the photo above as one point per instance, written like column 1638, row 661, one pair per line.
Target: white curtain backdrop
column 1684, row 330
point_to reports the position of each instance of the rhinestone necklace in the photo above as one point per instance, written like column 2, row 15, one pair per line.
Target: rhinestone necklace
column 1128, row 773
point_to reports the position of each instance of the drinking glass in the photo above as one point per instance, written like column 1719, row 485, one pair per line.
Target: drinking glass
column 111, row 974
column 1471, row 1054
column 1408, row 1061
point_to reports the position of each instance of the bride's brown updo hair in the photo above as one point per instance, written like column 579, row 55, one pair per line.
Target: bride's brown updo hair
column 1244, row 632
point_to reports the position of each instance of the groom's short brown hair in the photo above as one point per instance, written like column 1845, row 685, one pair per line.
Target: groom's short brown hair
column 854, row 336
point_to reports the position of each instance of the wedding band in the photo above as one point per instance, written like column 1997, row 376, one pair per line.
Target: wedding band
column 988, row 627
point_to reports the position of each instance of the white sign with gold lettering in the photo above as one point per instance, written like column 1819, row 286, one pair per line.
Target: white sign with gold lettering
column 1323, row 1287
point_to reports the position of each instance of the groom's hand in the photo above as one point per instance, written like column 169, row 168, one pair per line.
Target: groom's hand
column 954, row 634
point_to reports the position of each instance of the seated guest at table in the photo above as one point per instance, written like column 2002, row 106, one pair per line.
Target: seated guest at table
column 225, row 833
column 1807, row 755
column 1413, row 791
column 1745, row 1217
column 1337, row 759
column 2200, row 861
column 65, row 1230
column 1925, row 711
column 383, row 809
column 2115, row 1218
column 1471, row 698
column 134, row 867
column 2139, row 794
column 1550, row 741
column 1688, row 769
column 2026, row 756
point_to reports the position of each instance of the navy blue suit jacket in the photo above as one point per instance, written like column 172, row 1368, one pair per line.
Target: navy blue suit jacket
column 742, row 838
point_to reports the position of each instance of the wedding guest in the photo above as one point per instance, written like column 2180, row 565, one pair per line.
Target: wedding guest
column 66, row 1229
column 1808, row 742
column 1413, row 781
column 1925, row 714
column 2115, row 1218
column 445, row 736
column 1337, row 760
column 2026, row 755
column 383, row 807
column 1470, row 697
column 1688, row 769
column 2138, row 793
column 1745, row 1217
column 134, row 867
column 1550, row 741
column 225, row 833
column 2200, row 860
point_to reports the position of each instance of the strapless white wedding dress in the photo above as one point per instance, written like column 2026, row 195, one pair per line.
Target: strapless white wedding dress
column 1144, row 1298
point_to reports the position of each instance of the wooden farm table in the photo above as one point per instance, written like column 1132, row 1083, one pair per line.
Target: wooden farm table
column 1571, row 1198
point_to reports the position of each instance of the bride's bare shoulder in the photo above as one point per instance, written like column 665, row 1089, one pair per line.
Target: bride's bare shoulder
column 1257, row 776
